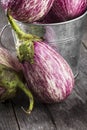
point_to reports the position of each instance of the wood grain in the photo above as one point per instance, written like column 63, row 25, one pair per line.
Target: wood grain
column 7, row 117
column 39, row 119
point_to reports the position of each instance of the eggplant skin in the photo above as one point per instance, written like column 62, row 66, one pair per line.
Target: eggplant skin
column 50, row 77
column 2, row 90
column 27, row 10
column 69, row 9
column 9, row 60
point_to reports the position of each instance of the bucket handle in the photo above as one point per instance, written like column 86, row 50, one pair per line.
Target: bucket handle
column 1, row 33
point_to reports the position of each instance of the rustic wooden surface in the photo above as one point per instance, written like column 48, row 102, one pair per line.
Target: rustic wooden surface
column 71, row 114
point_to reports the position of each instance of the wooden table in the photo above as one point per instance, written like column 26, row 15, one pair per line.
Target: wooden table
column 71, row 114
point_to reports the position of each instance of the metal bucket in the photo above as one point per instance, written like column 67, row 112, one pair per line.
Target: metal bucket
column 64, row 37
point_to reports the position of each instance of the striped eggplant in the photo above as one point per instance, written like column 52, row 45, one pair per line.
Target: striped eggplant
column 69, row 9
column 49, row 76
column 9, row 60
column 11, row 77
column 27, row 10
column 63, row 10
column 7, row 63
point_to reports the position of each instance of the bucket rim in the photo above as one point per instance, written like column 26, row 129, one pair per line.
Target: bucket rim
column 54, row 24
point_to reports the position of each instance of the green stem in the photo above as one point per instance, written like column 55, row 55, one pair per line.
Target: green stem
column 29, row 94
column 25, row 46
column 10, row 80
column 19, row 32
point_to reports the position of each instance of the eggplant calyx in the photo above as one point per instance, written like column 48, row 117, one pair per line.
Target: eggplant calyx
column 25, row 52
column 11, row 81
column 8, row 82
column 25, row 44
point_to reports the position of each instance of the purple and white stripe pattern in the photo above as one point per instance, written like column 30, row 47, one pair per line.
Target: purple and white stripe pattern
column 69, row 9
column 28, row 10
column 50, row 77
column 9, row 60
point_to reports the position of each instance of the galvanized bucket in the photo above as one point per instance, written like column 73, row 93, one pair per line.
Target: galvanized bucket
column 64, row 37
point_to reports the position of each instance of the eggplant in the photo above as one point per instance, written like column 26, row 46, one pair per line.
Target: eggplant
column 27, row 10
column 47, row 73
column 69, row 9
column 11, row 78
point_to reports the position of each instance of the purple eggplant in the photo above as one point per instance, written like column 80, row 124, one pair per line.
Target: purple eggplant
column 11, row 77
column 47, row 74
column 27, row 10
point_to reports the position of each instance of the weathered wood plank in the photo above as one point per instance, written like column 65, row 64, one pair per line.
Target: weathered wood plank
column 7, row 117
column 72, row 113
column 39, row 119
